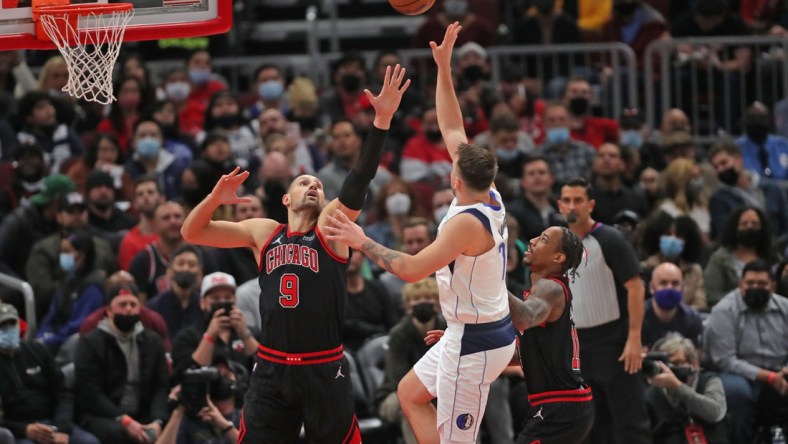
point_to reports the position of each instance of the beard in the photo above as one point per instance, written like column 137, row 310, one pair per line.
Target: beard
column 571, row 217
column 308, row 206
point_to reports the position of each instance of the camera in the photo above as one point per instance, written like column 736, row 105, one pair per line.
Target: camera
column 196, row 386
column 651, row 367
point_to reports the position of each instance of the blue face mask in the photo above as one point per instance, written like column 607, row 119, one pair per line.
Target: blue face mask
column 504, row 154
column 668, row 298
column 270, row 90
column 9, row 338
column 632, row 138
column 148, row 147
column 199, row 76
column 67, row 262
column 558, row 136
column 671, row 246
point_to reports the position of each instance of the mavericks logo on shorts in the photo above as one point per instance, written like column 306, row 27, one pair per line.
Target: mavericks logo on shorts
column 465, row 421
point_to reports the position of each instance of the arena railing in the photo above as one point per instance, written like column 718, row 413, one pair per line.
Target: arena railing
column 685, row 73
column 30, row 303
column 611, row 66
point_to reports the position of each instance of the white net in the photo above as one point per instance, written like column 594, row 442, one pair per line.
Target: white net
column 90, row 56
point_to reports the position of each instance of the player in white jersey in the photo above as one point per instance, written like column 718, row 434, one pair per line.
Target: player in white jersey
column 469, row 256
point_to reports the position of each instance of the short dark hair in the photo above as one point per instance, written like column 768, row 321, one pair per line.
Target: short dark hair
column 757, row 266
column 579, row 182
column 146, row 119
column 265, row 66
column 213, row 137
column 503, row 122
column 531, row 158
column 476, row 166
column 572, row 247
column 727, row 146
column 145, row 178
column 187, row 248
column 336, row 122
column 417, row 221
column 29, row 101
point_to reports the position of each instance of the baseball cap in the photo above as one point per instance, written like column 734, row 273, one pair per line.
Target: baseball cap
column 471, row 47
column 631, row 119
column 54, row 186
column 216, row 280
column 119, row 290
column 71, row 200
column 8, row 312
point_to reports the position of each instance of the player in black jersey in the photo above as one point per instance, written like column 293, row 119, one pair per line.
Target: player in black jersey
column 301, row 375
column 561, row 410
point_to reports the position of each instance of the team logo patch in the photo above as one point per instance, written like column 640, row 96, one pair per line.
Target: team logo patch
column 465, row 421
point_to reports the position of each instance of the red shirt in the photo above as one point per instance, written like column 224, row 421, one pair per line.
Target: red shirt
column 421, row 159
column 191, row 117
column 150, row 320
column 203, row 93
column 596, row 131
column 133, row 242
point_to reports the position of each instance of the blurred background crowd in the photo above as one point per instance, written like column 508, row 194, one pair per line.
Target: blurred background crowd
column 694, row 173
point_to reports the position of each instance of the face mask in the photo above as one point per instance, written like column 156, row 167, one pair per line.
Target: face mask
column 67, row 262
column 398, row 204
column 433, row 136
column 757, row 131
column 424, row 312
column 184, row 279
column 668, row 298
column 557, row 136
column 671, row 246
column 125, row 323
column 199, row 76
column 748, row 237
column 578, row 106
column 148, row 147
column 351, row 82
column 756, row 298
column 178, row 91
column 270, row 90
column 226, row 121
column 455, row 8
column 440, row 213
column 505, row 154
column 9, row 338
column 632, row 138
column 729, row 177
column 694, row 188
column 473, row 73
column 129, row 101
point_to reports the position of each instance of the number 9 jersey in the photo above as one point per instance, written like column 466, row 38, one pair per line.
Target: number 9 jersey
column 303, row 293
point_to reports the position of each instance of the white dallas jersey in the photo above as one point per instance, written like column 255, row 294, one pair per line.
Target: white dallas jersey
column 473, row 289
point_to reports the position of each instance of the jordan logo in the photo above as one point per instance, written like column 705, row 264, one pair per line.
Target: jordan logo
column 277, row 241
column 339, row 373
column 539, row 414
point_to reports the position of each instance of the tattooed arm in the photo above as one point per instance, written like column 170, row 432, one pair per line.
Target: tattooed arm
column 451, row 243
column 545, row 304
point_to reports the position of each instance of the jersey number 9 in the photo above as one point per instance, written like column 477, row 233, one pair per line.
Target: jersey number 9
column 288, row 289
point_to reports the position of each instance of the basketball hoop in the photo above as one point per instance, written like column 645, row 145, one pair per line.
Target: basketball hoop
column 88, row 36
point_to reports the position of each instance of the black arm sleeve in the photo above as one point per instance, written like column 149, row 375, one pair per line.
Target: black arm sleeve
column 354, row 189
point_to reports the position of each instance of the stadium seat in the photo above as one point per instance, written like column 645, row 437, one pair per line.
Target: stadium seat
column 68, row 371
column 371, row 360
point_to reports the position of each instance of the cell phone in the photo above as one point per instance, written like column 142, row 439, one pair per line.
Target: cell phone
column 227, row 307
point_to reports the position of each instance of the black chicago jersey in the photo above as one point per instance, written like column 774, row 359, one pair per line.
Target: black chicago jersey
column 550, row 353
column 303, row 292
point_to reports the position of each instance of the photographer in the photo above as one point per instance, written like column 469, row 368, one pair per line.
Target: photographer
column 683, row 401
column 215, row 420
column 223, row 332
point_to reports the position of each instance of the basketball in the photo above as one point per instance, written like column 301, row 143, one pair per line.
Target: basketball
column 411, row 7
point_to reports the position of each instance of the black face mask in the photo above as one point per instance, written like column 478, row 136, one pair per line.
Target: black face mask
column 578, row 106
column 473, row 73
column 424, row 312
column 757, row 131
column 103, row 205
column 125, row 323
column 433, row 136
column 226, row 121
column 749, row 237
column 351, row 82
column 729, row 177
column 184, row 279
column 756, row 298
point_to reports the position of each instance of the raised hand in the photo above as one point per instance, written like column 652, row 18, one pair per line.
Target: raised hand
column 433, row 336
column 442, row 53
column 226, row 189
column 387, row 102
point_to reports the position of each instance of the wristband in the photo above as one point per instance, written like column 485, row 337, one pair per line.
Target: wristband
column 230, row 426
column 771, row 377
column 126, row 420
column 209, row 338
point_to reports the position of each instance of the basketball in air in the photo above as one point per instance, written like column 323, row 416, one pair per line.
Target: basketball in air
column 411, row 7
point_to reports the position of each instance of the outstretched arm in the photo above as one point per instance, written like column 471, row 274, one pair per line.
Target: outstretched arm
column 448, row 108
column 198, row 228
column 354, row 189
column 545, row 304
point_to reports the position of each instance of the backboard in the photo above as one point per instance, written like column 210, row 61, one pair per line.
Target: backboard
column 152, row 20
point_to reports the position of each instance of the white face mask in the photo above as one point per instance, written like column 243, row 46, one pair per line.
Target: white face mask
column 398, row 204
column 455, row 8
column 440, row 213
column 178, row 91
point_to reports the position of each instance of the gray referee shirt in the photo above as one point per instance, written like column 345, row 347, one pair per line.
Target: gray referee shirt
column 742, row 341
